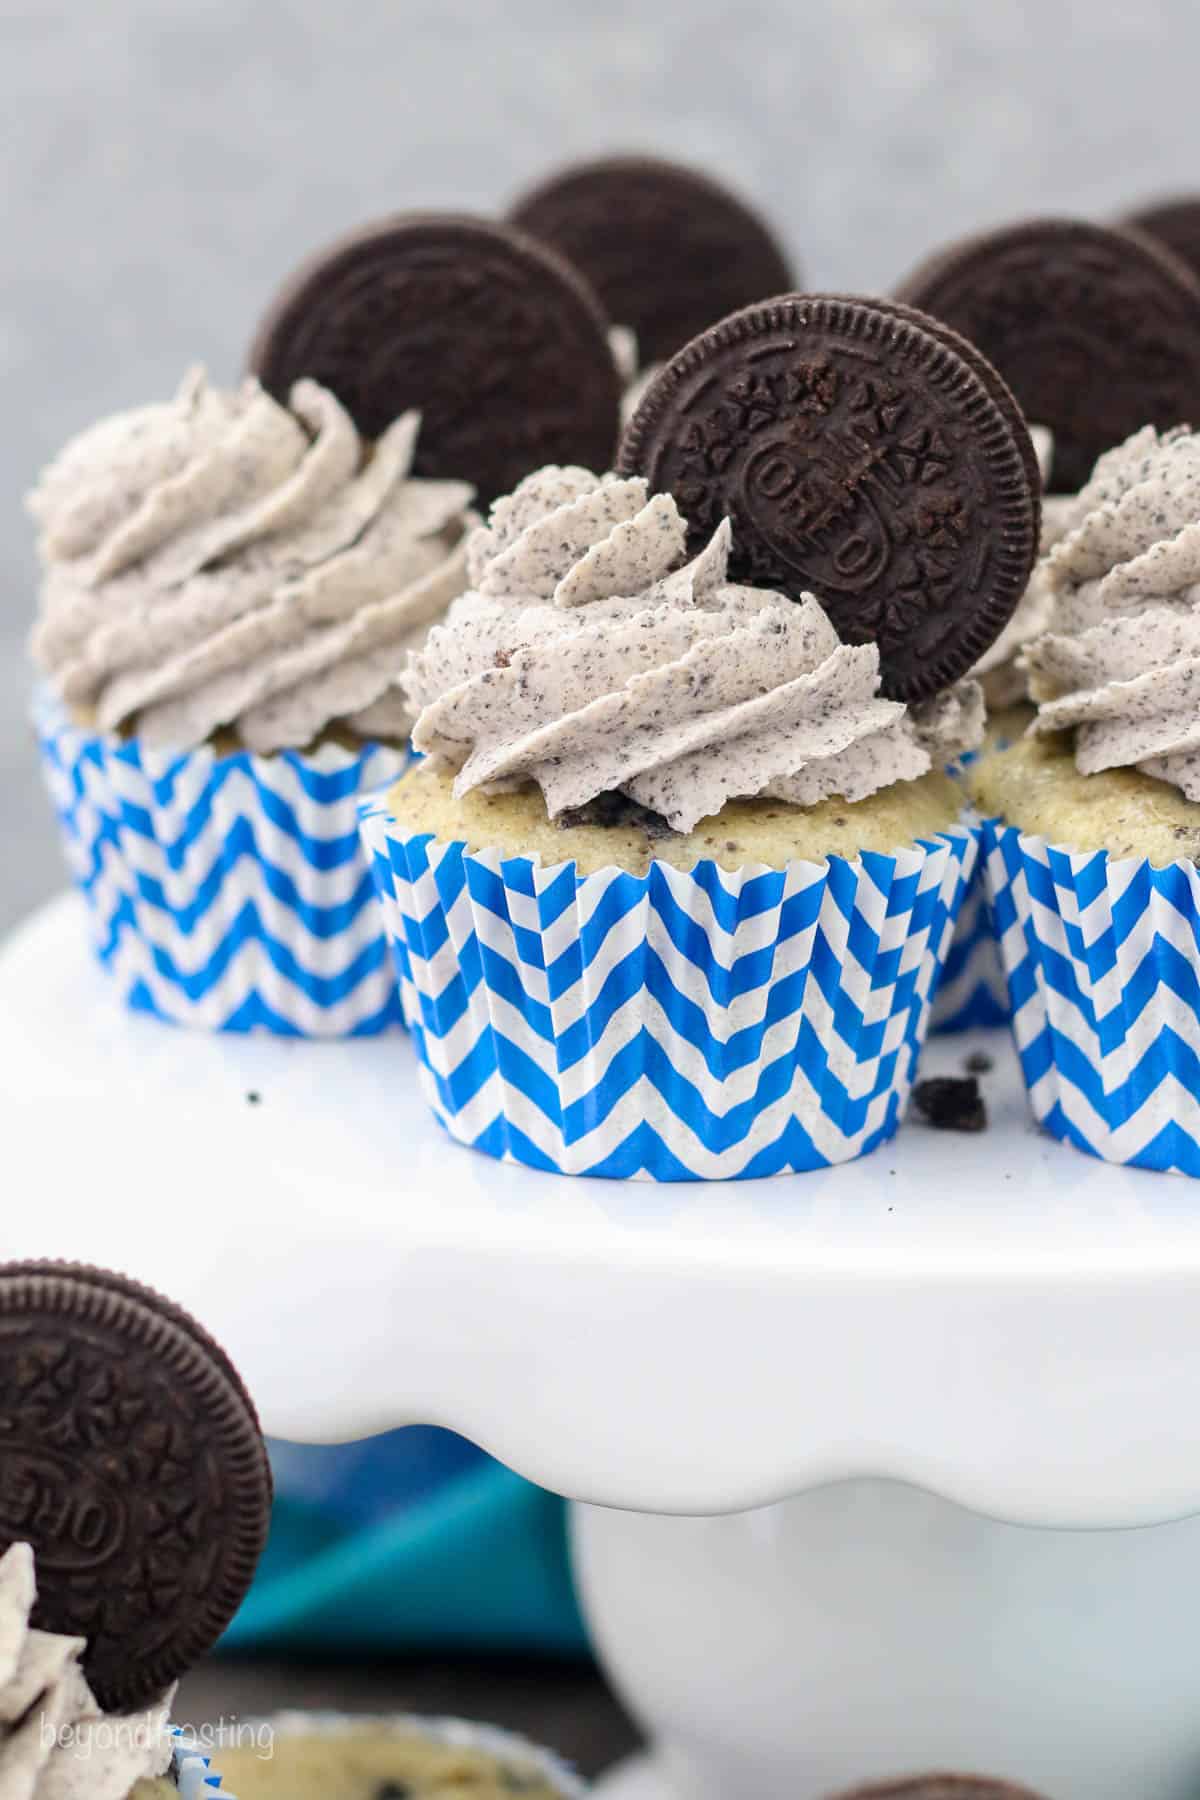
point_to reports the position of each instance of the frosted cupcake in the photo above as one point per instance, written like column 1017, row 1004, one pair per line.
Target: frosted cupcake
column 230, row 588
column 318, row 1756
column 56, row 1741
column 674, row 885
column 233, row 582
column 674, row 882
column 1095, row 830
column 136, row 1500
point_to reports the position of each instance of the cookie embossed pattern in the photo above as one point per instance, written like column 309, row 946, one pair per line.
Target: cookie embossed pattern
column 1095, row 330
column 497, row 340
column 857, row 457
column 135, row 1495
column 745, row 991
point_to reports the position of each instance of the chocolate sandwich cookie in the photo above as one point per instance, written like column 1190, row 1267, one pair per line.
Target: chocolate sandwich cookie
column 1096, row 331
column 668, row 250
column 998, row 389
column 941, row 1787
column 1175, row 223
column 132, row 1460
column 859, row 457
column 499, row 344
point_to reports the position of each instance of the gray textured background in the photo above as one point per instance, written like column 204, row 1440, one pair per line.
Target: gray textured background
column 164, row 162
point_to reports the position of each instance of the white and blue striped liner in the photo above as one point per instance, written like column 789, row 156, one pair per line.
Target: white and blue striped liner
column 226, row 892
column 194, row 1774
column 673, row 1026
column 972, row 990
column 1102, row 962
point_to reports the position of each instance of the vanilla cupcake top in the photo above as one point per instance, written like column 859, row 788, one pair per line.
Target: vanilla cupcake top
column 222, row 561
column 589, row 655
column 56, row 1743
column 1121, row 665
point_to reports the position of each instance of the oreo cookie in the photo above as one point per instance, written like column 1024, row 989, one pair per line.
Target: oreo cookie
column 1174, row 223
column 941, row 1787
column 998, row 389
column 859, row 457
column 1097, row 332
column 668, row 250
column 500, row 345
column 131, row 1458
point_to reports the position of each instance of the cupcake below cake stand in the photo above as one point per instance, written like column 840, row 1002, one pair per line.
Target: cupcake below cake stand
column 889, row 1467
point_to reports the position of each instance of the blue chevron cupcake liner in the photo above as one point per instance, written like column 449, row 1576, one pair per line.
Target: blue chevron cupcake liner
column 676, row 1026
column 226, row 892
column 972, row 990
column 1102, row 963
column 193, row 1772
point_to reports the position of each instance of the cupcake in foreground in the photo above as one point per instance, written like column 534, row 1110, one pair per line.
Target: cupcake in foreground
column 233, row 581
column 316, row 1756
column 671, row 892
column 1093, row 834
column 133, row 1509
column 56, row 1741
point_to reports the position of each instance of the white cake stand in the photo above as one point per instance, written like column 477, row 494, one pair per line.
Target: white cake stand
column 881, row 1469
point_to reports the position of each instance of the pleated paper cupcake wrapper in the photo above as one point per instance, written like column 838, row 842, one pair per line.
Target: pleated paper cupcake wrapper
column 972, row 990
column 229, row 893
column 672, row 1026
column 193, row 1772
column 1102, row 963
column 516, row 1753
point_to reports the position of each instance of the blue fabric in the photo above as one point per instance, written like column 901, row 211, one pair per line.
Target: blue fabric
column 413, row 1540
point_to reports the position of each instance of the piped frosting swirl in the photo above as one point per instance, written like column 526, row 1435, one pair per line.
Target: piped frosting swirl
column 223, row 562
column 55, row 1742
column 589, row 656
column 1121, row 664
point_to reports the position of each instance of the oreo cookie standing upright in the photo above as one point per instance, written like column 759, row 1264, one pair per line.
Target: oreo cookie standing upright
column 131, row 1459
column 859, row 457
column 499, row 344
column 668, row 250
column 1096, row 331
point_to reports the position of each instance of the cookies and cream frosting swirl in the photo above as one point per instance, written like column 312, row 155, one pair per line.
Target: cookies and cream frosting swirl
column 55, row 1741
column 589, row 656
column 221, row 562
column 1121, row 663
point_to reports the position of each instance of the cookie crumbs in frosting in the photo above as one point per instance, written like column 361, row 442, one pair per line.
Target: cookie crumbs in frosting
column 223, row 562
column 589, row 658
column 1121, row 664
column 55, row 1741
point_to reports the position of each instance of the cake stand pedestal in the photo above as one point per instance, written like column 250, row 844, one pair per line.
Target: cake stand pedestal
column 886, row 1468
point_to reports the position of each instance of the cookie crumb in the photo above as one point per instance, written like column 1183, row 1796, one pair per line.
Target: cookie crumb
column 253, row 1097
column 951, row 1103
column 979, row 1063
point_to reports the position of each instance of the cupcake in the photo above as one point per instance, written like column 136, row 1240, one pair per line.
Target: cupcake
column 233, row 581
column 134, row 1500
column 1093, row 330
column 320, row 1756
column 1093, row 830
column 55, row 1739
column 672, row 888
column 229, row 587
